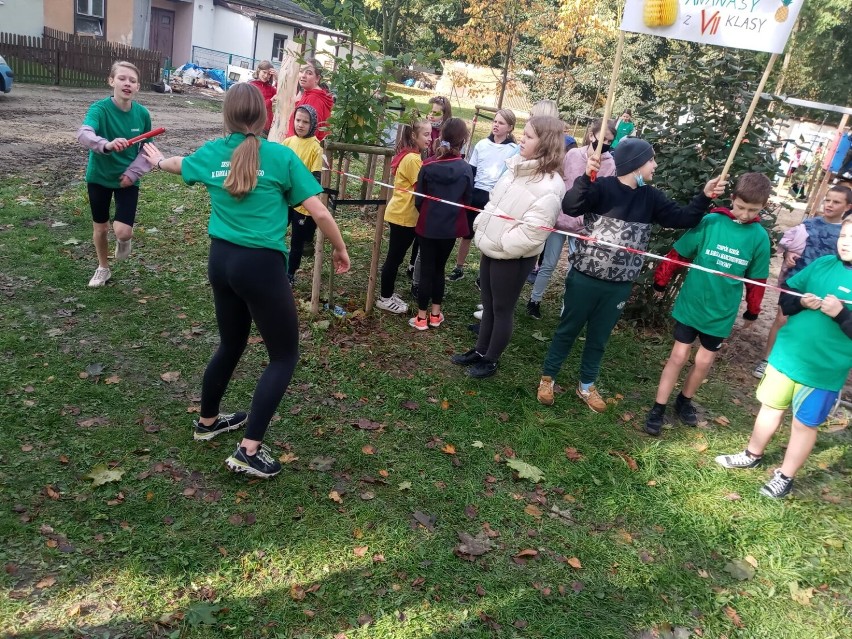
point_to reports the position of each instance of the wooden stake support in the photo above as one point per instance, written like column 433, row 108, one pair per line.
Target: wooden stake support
column 285, row 99
column 610, row 97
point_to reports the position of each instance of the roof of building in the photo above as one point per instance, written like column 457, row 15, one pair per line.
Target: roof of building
column 283, row 8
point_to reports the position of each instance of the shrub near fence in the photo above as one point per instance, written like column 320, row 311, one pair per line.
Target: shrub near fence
column 68, row 60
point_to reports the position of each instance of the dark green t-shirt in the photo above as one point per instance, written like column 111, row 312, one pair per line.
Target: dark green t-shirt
column 259, row 219
column 811, row 347
column 707, row 302
column 110, row 122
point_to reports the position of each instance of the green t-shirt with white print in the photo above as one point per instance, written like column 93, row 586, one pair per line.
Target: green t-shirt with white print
column 110, row 122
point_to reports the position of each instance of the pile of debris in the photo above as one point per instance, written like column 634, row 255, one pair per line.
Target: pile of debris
column 192, row 75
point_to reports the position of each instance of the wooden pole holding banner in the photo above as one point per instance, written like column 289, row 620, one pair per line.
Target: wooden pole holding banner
column 377, row 237
column 610, row 97
column 316, row 281
column 285, row 98
column 736, row 145
column 817, row 195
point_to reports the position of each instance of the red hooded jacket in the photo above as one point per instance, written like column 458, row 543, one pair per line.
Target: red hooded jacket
column 322, row 101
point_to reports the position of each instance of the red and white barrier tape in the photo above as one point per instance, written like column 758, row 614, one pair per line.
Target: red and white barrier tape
column 584, row 238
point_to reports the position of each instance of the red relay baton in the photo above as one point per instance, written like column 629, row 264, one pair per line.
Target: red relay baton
column 145, row 136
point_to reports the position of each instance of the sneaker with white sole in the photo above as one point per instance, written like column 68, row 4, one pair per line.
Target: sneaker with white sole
column 592, row 398
column 392, row 305
column 456, row 275
column 738, row 460
column 777, row 487
column 760, row 369
column 100, row 277
column 478, row 314
column 545, row 390
column 261, row 464
column 122, row 249
column 223, row 424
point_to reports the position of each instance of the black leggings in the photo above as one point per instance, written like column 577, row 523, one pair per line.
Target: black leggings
column 303, row 231
column 400, row 239
column 433, row 267
column 251, row 284
column 501, row 282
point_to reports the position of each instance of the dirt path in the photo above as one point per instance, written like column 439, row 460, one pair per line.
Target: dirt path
column 39, row 124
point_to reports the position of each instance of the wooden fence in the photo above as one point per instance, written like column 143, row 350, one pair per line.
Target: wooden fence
column 68, row 60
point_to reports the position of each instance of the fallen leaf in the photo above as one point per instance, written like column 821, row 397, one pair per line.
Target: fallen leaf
column 626, row 417
column 445, row 405
column 533, row 511
column 631, row 463
column 733, row 496
column 423, row 519
column 801, row 595
column 470, row 511
column 526, row 553
column 525, row 470
column 733, row 616
column 366, row 424
column 321, row 463
column 46, row 582
column 722, row 421
column 360, row 551
column 112, row 379
column 572, row 454
column 368, row 449
column 574, row 563
column 95, row 369
column 26, row 448
column 170, row 376
column 409, row 405
column 701, row 446
column 335, row 497
column 100, row 475
column 480, row 590
column 477, row 444
column 287, row 458
column 449, row 449
column 404, row 485
column 489, row 622
column 367, row 495
column 471, row 547
column 739, row 569
column 365, row 620
column 297, row 593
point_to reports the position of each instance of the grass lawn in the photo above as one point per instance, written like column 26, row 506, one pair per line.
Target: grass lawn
column 390, row 455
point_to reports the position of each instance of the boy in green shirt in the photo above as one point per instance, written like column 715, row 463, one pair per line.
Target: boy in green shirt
column 808, row 365
column 735, row 243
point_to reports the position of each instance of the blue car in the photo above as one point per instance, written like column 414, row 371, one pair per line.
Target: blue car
column 6, row 76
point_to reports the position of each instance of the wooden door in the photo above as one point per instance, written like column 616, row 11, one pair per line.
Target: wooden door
column 162, row 32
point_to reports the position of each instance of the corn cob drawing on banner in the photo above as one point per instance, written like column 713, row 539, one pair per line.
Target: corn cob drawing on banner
column 660, row 13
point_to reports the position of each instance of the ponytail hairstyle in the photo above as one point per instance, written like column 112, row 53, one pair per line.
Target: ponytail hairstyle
column 551, row 144
column 594, row 130
column 244, row 112
column 453, row 137
column 408, row 135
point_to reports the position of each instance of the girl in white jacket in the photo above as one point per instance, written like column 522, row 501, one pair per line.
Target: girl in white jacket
column 530, row 192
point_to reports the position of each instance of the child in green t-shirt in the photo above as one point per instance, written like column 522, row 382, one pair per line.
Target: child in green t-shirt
column 735, row 243
column 808, row 366
column 114, row 166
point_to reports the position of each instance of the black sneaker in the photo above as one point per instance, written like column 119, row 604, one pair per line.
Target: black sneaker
column 223, row 424
column 478, row 287
column 261, row 464
column 778, row 486
column 481, row 370
column 738, row 460
column 534, row 309
column 456, row 275
column 655, row 419
column 686, row 411
column 467, row 359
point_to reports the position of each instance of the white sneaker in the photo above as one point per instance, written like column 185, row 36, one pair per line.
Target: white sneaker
column 100, row 277
column 478, row 315
column 392, row 305
column 122, row 249
column 479, row 307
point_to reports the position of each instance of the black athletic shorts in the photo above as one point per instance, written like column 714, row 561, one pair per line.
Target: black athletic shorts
column 686, row 335
column 100, row 198
column 478, row 200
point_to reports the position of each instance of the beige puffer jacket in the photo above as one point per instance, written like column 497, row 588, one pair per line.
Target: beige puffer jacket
column 517, row 194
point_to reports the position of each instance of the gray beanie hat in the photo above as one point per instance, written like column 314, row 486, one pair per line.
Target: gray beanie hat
column 630, row 154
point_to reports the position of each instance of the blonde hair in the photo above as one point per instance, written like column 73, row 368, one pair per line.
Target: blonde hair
column 244, row 112
column 546, row 108
column 551, row 144
column 408, row 135
column 266, row 65
column 123, row 63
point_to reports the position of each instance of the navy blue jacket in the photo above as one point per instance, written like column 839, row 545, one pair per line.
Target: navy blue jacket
column 449, row 178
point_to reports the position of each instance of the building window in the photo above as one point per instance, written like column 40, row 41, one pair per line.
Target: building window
column 279, row 45
column 89, row 18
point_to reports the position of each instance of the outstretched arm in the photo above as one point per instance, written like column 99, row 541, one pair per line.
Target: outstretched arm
column 156, row 158
column 328, row 226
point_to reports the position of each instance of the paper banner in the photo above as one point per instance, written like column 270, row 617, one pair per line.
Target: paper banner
column 759, row 25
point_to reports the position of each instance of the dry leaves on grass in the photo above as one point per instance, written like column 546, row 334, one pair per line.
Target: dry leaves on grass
column 170, row 376
column 631, row 463
column 733, row 616
column 573, row 455
column 472, row 547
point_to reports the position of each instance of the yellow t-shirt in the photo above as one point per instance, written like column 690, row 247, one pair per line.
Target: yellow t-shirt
column 400, row 210
column 309, row 151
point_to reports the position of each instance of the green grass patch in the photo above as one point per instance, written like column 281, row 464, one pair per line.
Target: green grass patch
column 179, row 547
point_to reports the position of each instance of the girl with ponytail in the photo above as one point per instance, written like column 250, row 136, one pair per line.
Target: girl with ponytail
column 251, row 183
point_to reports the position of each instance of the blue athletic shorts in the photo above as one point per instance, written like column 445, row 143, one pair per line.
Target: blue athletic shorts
column 811, row 406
